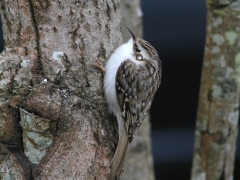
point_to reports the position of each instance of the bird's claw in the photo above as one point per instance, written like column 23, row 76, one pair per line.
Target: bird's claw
column 99, row 65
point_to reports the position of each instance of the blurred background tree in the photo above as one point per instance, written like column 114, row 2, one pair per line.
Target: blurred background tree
column 218, row 107
column 139, row 161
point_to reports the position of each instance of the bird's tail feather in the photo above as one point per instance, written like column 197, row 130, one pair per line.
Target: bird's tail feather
column 119, row 156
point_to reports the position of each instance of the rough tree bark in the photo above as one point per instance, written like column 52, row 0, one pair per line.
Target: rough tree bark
column 218, row 109
column 53, row 118
column 139, row 162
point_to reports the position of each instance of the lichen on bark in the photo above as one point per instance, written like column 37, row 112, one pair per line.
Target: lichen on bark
column 218, row 108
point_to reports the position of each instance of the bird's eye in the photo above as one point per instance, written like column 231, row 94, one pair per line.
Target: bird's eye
column 138, row 50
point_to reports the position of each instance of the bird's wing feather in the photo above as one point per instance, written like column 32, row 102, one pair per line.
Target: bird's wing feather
column 136, row 85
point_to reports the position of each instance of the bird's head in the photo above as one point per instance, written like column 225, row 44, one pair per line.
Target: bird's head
column 142, row 49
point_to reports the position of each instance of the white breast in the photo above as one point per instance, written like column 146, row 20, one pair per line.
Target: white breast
column 121, row 54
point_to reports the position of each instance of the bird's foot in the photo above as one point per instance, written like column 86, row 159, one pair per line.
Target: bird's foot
column 99, row 65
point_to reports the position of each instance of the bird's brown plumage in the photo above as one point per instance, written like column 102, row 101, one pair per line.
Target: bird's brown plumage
column 135, row 86
column 119, row 156
column 137, row 78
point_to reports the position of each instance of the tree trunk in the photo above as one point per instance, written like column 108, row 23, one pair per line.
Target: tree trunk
column 139, row 162
column 218, row 109
column 53, row 117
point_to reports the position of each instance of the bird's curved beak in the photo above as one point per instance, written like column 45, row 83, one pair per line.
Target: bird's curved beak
column 134, row 38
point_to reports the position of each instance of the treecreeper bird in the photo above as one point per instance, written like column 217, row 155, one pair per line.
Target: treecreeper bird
column 132, row 77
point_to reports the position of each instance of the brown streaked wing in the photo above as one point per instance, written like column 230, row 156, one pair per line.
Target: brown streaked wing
column 135, row 87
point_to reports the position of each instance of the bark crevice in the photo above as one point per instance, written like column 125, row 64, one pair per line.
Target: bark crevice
column 37, row 68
